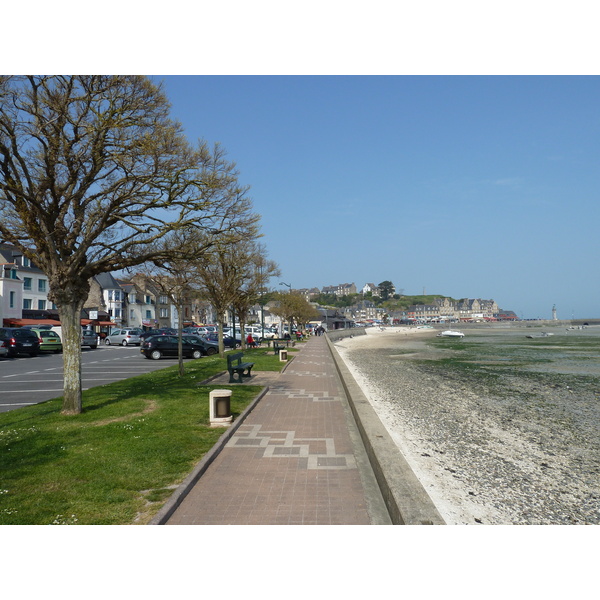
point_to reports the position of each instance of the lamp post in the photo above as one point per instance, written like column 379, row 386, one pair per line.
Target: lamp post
column 289, row 285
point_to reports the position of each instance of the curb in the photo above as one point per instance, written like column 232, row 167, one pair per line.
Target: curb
column 163, row 515
column 405, row 497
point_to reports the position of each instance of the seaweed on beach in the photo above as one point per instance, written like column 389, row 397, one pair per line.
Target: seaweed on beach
column 504, row 427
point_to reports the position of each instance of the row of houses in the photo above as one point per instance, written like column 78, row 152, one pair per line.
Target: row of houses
column 466, row 309
column 112, row 301
column 339, row 290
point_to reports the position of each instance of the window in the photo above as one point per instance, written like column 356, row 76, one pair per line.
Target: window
column 131, row 314
column 148, row 300
column 41, row 305
column 26, row 262
column 26, row 303
column 131, row 298
column 12, row 299
column 41, row 285
column 163, row 300
column 164, row 313
column 148, row 314
column 27, row 283
column 117, row 313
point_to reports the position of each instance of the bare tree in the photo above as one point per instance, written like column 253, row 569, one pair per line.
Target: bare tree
column 93, row 174
column 293, row 307
column 252, row 271
column 214, row 276
column 176, row 275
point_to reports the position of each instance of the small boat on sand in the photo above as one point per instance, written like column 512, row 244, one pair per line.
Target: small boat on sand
column 451, row 334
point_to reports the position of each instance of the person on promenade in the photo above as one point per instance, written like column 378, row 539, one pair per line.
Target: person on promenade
column 250, row 341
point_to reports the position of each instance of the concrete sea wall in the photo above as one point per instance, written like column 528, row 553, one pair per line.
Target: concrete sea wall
column 405, row 497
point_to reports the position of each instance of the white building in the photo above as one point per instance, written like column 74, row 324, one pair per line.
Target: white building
column 24, row 286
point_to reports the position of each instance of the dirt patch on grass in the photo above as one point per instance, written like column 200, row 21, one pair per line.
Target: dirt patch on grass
column 151, row 406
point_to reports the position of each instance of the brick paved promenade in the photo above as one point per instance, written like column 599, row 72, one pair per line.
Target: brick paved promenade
column 296, row 459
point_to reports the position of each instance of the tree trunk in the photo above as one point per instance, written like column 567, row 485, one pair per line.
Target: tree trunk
column 180, row 338
column 242, row 334
column 220, row 337
column 70, row 322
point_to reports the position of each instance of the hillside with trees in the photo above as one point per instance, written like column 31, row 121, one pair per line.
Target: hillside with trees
column 393, row 303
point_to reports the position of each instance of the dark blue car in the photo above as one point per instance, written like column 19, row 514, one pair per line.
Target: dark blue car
column 228, row 341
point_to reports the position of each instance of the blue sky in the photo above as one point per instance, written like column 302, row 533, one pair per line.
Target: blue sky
column 467, row 186
column 482, row 185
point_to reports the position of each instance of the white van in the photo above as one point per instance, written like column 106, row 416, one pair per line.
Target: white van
column 259, row 333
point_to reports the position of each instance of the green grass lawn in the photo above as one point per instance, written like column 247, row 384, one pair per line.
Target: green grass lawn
column 118, row 461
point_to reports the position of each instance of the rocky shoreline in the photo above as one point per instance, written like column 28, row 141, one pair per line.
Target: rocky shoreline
column 527, row 454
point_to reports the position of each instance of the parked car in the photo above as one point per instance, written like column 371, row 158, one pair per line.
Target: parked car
column 190, row 330
column 49, row 340
column 89, row 338
column 157, row 346
column 3, row 349
column 124, row 337
column 153, row 332
column 206, row 329
column 228, row 341
column 20, row 340
column 210, row 348
column 229, row 331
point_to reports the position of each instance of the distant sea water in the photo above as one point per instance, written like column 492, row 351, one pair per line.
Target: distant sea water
column 501, row 427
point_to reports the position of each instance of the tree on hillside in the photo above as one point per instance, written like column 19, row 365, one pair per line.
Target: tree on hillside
column 386, row 290
column 93, row 173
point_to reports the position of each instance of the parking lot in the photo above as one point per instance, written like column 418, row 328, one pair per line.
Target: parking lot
column 26, row 380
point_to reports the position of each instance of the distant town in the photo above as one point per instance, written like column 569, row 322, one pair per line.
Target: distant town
column 375, row 303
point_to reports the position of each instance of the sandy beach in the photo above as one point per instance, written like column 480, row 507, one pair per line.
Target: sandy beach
column 481, row 459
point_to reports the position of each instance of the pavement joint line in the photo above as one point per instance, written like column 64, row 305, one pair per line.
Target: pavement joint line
column 32, row 392
column 20, row 403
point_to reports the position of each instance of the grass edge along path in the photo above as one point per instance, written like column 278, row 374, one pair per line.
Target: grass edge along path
column 120, row 460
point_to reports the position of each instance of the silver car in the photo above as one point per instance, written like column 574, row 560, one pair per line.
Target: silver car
column 3, row 349
column 124, row 337
column 89, row 338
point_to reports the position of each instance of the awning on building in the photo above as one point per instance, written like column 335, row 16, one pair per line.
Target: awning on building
column 53, row 322
column 23, row 322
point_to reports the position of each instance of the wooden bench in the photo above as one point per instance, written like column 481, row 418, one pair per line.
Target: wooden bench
column 280, row 343
column 236, row 366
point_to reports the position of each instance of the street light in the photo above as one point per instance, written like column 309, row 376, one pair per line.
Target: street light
column 289, row 285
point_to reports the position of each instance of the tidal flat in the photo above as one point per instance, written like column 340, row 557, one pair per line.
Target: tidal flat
column 500, row 428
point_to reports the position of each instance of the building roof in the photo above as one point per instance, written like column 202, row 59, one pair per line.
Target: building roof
column 107, row 282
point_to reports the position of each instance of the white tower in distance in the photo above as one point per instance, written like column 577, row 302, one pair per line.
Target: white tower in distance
column 554, row 318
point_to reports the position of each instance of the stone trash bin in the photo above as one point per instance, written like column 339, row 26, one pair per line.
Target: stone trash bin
column 220, row 408
column 283, row 355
